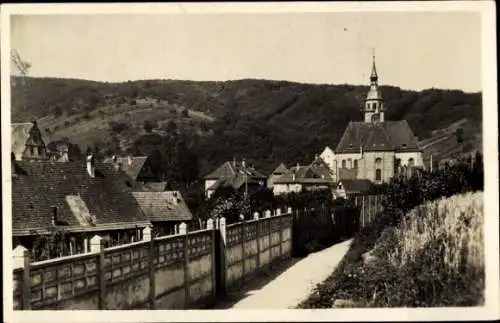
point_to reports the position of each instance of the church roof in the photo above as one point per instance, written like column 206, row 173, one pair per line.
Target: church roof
column 384, row 136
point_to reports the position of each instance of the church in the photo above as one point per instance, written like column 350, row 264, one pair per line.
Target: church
column 374, row 149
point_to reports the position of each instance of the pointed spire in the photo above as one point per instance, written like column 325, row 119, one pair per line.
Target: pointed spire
column 373, row 76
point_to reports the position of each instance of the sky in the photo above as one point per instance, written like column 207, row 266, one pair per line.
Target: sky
column 415, row 51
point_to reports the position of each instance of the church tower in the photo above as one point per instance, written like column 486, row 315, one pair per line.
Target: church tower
column 374, row 104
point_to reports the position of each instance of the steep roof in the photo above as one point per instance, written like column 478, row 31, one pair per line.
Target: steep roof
column 383, row 136
column 281, row 169
column 105, row 199
column 131, row 165
column 356, row 185
column 163, row 206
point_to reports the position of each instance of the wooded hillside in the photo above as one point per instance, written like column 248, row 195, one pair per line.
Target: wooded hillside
column 198, row 125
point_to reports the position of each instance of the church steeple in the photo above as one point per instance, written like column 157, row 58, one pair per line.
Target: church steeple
column 373, row 75
column 374, row 104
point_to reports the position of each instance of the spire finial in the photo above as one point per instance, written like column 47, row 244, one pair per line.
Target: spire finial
column 373, row 76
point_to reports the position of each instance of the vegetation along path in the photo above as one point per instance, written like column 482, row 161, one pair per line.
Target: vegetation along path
column 294, row 284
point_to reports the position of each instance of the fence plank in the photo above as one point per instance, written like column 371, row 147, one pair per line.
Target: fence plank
column 186, row 270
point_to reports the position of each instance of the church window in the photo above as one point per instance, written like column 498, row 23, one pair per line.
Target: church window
column 343, row 163
column 411, row 162
column 355, row 163
column 378, row 170
column 349, row 163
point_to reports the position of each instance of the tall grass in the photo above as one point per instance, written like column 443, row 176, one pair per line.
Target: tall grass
column 457, row 222
column 433, row 256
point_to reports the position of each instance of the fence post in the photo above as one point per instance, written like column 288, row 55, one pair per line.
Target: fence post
column 222, row 229
column 183, row 230
column 243, row 236
column 146, row 233
column 210, row 226
column 278, row 212
column 257, row 237
column 256, row 216
column 152, row 270
column 26, row 292
column 280, row 219
column 102, row 269
column 268, row 214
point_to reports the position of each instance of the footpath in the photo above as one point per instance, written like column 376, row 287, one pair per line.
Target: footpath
column 290, row 285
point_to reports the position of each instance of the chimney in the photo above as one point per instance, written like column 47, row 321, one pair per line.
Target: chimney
column 243, row 163
column 361, row 150
column 91, row 165
column 234, row 162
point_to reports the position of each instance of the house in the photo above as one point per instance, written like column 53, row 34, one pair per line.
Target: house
column 239, row 176
column 165, row 210
column 27, row 142
column 139, row 168
column 315, row 176
column 374, row 149
column 278, row 172
column 348, row 188
column 80, row 199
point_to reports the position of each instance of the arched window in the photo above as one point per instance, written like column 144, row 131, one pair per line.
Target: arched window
column 355, row 163
column 343, row 163
column 411, row 162
column 349, row 163
column 378, row 169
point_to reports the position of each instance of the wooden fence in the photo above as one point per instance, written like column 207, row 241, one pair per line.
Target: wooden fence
column 183, row 271
column 370, row 206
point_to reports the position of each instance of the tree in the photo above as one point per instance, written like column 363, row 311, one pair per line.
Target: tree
column 50, row 246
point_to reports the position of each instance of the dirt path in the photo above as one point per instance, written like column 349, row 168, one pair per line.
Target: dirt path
column 293, row 283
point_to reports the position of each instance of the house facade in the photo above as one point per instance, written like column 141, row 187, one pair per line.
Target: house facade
column 315, row 176
column 238, row 175
column 277, row 173
column 374, row 149
column 77, row 199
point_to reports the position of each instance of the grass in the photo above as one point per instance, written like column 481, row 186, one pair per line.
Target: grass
column 433, row 257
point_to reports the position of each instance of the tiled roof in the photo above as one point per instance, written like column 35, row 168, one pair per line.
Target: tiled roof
column 230, row 170
column 356, row 185
column 130, row 165
column 383, row 136
column 107, row 197
column 163, row 206
column 315, row 173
